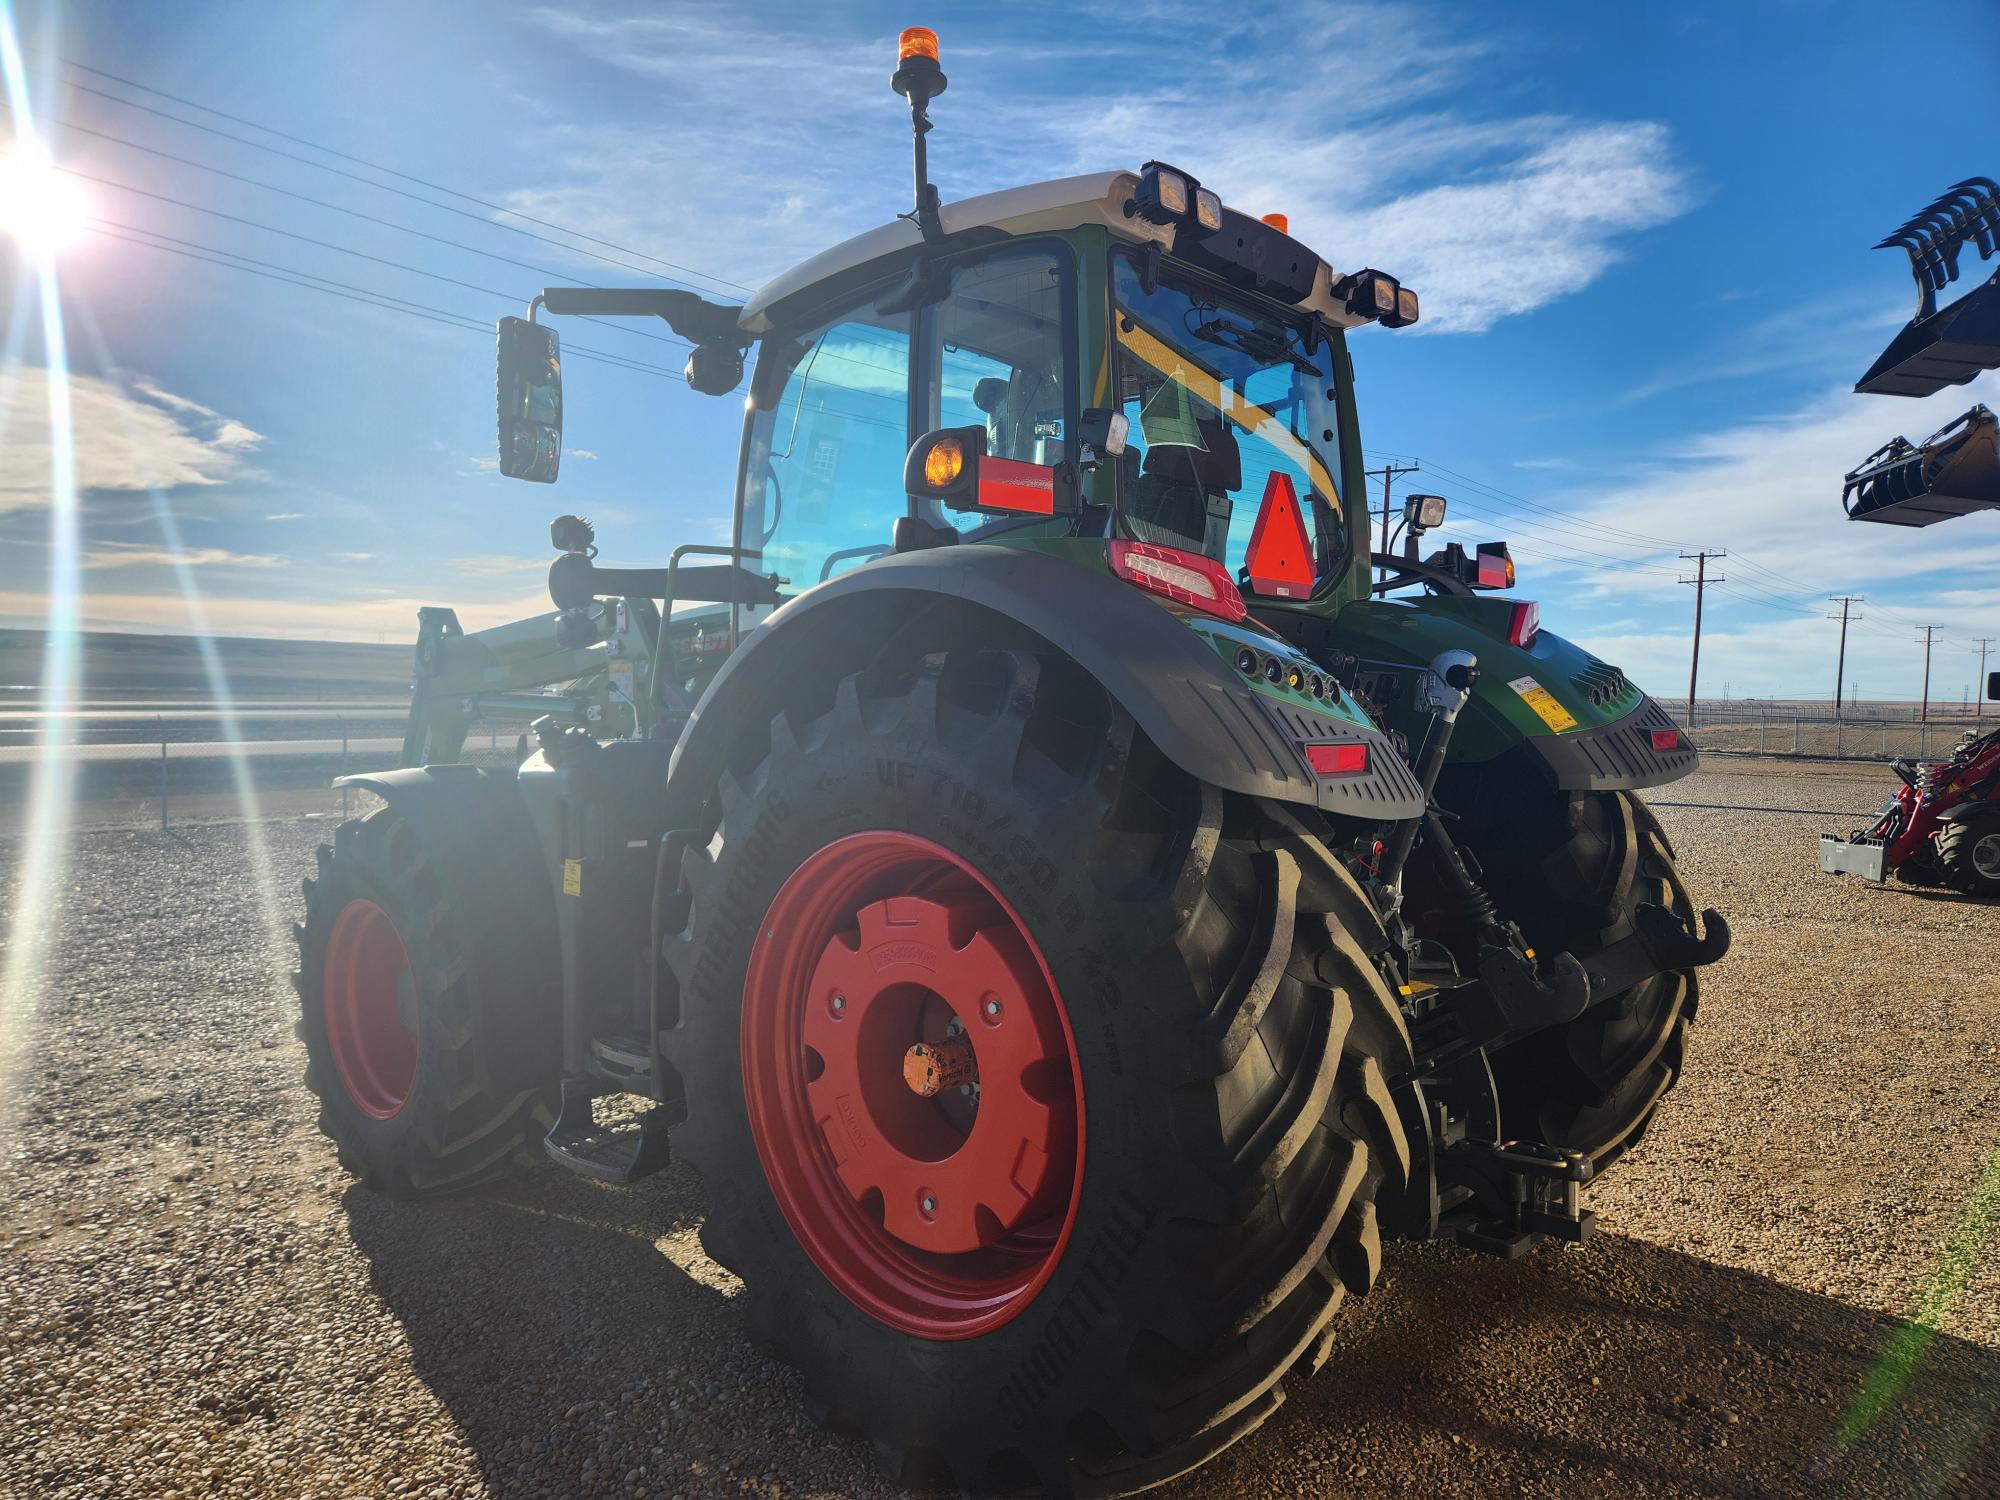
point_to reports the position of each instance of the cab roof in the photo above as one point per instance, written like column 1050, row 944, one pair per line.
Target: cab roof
column 1095, row 198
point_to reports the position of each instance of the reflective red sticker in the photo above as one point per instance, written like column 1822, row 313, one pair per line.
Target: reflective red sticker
column 1279, row 560
column 1010, row 484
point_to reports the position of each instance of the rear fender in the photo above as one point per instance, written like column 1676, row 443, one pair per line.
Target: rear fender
column 1972, row 812
column 1577, row 723
column 1194, row 706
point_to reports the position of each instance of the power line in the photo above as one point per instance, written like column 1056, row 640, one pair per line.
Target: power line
column 379, row 260
column 229, row 260
column 378, row 167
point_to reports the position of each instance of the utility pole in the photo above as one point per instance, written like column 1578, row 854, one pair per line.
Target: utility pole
column 1979, row 682
column 1701, row 581
column 1924, row 707
column 1846, row 603
column 1388, row 473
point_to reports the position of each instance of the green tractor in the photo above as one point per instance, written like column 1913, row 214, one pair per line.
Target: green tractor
column 1077, row 916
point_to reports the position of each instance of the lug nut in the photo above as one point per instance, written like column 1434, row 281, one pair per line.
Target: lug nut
column 929, row 1205
column 992, row 1009
column 840, row 1002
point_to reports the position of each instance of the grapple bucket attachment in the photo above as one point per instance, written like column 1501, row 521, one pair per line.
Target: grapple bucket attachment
column 1949, row 345
column 1952, row 472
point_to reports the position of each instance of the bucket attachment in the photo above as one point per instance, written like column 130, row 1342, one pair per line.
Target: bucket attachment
column 1950, row 345
column 1952, row 472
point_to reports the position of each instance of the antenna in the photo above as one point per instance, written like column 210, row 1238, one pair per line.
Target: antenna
column 919, row 79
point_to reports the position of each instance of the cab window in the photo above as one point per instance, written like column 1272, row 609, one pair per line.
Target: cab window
column 824, row 468
column 995, row 354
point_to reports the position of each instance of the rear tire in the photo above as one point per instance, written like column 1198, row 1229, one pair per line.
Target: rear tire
column 1570, row 868
column 1968, row 855
column 423, row 1087
column 1230, row 1036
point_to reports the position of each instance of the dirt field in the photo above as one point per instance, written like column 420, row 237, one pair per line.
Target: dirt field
column 194, row 1301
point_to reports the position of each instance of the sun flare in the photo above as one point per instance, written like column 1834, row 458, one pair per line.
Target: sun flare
column 41, row 206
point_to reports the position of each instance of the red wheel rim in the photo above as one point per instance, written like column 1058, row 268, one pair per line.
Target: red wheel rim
column 370, row 1010
column 940, row 1215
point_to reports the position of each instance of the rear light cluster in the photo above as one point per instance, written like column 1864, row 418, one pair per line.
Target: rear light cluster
column 1284, row 674
column 1524, row 624
column 1338, row 760
column 1185, row 577
column 1666, row 739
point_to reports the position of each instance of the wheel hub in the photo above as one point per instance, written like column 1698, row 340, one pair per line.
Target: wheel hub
column 946, row 1182
column 1986, row 856
column 911, row 1085
column 370, row 1010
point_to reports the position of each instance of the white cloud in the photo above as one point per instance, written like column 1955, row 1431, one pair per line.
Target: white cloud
column 1768, row 491
column 579, row 453
column 1381, row 165
column 287, row 515
column 1540, row 227
column 141, row 555
column 492, row 565
column 128, row 437
column 483, row 464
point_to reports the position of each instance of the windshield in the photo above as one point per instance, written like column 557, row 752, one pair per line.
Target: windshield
column 1227, row 402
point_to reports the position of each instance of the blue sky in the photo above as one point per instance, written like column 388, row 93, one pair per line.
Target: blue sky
column 1640, row 232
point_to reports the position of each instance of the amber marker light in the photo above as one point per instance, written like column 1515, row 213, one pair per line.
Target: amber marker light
column 944, row 463
column 917, row 41
column 1279, row 222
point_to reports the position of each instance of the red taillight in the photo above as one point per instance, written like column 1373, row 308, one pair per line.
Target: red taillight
column 1196, row 581
column 1666, row 739
column 1337, row 760
column 1524, row 624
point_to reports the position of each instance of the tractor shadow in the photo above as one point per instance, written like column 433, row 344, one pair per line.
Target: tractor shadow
column 1621, row 1369
column 575, row 1334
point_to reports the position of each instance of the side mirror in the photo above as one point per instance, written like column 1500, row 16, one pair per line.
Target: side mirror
column 1495, row 567
column 1993, row 686
column 529, row 388
column 952, row 467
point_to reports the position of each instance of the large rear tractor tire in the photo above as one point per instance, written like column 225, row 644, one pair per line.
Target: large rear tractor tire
column 1040, row 1090
column 424, row 1087
column 1968, row 854
column 1570, row 868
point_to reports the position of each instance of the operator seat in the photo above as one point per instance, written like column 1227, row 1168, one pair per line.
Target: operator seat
column 1176, row 483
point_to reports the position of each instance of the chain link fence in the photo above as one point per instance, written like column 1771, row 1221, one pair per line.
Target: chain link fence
column 1873, row 732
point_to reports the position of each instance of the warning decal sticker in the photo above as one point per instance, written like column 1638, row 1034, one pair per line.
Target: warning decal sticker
column 1544, row 704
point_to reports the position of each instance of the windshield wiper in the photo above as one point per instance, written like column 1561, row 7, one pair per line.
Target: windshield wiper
column 1260, row 344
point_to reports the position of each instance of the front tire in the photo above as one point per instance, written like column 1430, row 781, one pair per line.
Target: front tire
column 1968, row 854
column 423, row 1086
column 1205, row 1089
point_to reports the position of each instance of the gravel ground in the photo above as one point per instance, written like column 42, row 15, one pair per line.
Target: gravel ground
column 195, row 1301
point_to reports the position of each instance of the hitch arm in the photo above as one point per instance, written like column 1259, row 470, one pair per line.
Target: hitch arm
column 1658, row 944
